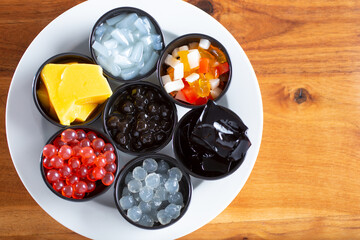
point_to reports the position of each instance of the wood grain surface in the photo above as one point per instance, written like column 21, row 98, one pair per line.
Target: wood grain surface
column 306, row 180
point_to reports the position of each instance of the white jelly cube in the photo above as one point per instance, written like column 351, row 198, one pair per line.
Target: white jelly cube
column 171, row 61
column 193, row 45
column 174, row 86
column 166, row 79
column 204, row 43
column 179, row 71
column 184, row 48
column 193, row 58
column 214, row 83
column 175, row 53
column 215, row 92
column 192, row 77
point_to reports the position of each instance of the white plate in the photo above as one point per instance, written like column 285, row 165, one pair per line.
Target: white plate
column 27, row 130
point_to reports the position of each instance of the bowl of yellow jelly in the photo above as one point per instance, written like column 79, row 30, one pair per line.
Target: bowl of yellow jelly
column 193, row 69
column 69, row 89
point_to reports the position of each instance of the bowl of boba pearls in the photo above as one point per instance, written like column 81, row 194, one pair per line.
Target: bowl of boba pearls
column 139, row 118
column 153, row 191
column 79, row 164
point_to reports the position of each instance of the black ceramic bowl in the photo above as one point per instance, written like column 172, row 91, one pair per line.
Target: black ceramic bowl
column 100, row 187
column 185, row 40
column 63, row 58
column 113, row 13
column 185, row 187
column 196, row 166
column 160, row 127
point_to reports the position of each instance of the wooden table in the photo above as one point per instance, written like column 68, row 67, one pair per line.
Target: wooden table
column 306, row 180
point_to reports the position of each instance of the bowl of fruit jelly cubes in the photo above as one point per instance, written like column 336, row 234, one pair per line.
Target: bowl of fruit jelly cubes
column 139, row 118
column 127, row 43
column 79, row 163
column 69, row 89
column 152, row 191
column 193, row 69
column 210, row 142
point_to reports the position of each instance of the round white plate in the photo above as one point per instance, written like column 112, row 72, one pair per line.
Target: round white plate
column 27, row 131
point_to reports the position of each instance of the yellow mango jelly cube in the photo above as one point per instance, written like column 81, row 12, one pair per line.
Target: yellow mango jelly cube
column 51, row 77
column 184, row 59
column 43, row 96
column 82, row 112
column 84, row 83
column 65, row 88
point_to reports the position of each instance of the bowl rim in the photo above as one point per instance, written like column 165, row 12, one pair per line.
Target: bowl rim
column 36, row 81
column 114, row 97
column 105, row 137
column 176, row 143
column 132, row 164
column 115, row 12
column 193, row 35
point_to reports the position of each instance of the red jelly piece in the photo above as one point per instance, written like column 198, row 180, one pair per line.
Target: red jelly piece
column 110, row 167
column 80, row 134
column 108, row 147
column 58, row 185
column 65, row 152
column 74, row 163
column 72, row 180
column 76, row 195
column 56, row 162
column 49, row 150
column 89, row 160
column 223, row 68
column 83, row 171
column 91, row 136
column 53, row 175
column 109, row 156
column 68, row 135
column 100, row 161
column 98, row 172
column 65, row 171
column 85, row 143
column 98, row 144
column 108, row 179
column 67, row 191
column 80, row 187
column 47, row 163
column 90, row 185
column 58, row 142
column 86, row 152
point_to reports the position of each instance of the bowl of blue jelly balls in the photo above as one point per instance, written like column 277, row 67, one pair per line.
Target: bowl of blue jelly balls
column 152, row 191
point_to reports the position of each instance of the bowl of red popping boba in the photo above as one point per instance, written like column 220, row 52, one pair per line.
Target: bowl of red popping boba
column 79, row 163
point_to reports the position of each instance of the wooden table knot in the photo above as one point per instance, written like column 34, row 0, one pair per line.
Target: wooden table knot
column 301, row 95
column 205, row 5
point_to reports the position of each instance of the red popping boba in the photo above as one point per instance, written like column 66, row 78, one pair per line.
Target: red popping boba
column 78, row 162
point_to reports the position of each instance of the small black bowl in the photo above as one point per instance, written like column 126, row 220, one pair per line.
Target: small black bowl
column 124, row 93
column 184, row 40
column 185, row 186
column 113, row 13
column 194, row 165
column 100, row 188
column 63, row 58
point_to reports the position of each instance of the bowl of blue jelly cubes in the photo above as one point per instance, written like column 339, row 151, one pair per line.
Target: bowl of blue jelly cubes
column 126, row 42
column 152, row 191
